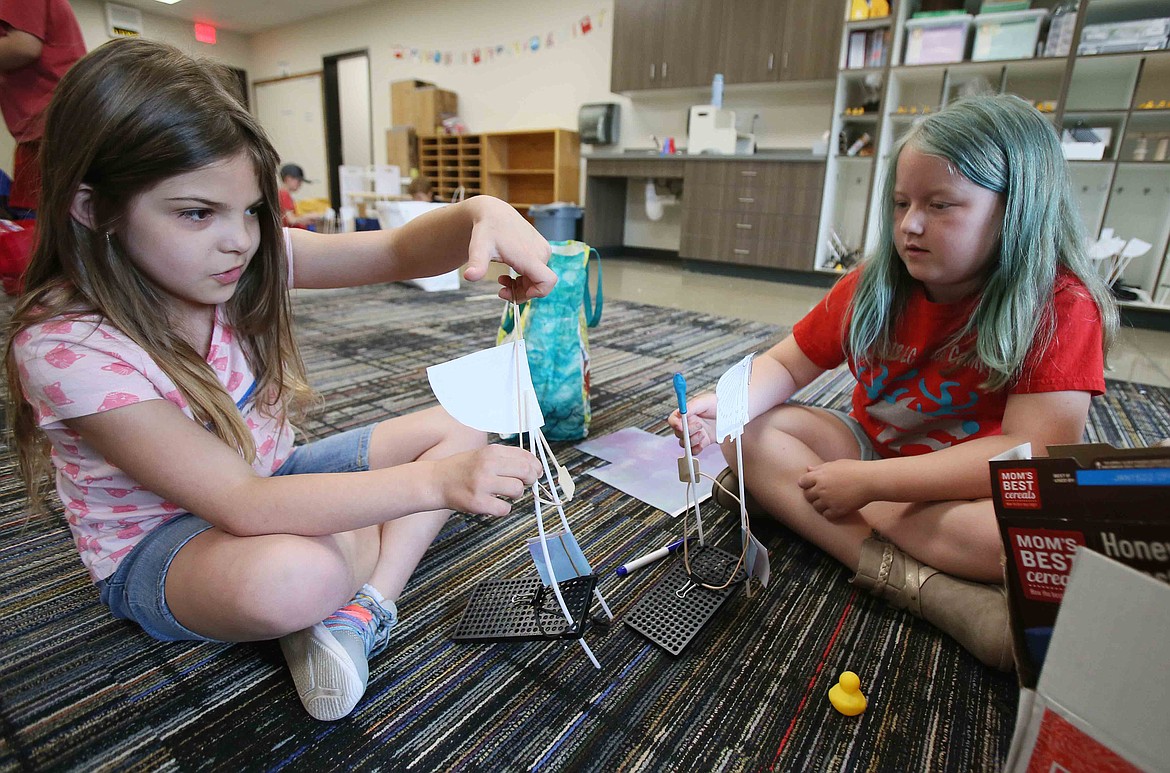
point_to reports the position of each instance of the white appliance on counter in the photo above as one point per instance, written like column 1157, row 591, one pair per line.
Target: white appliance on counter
column 712, row 129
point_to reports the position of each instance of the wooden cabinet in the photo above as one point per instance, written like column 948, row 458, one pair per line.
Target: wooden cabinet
column 810, row 30
column 779, row 40
column 659, row 44
column 692, row 42
column 753, row 46
column 752, row 213
column 451, row 162
column 637, row 45
column 532, row 167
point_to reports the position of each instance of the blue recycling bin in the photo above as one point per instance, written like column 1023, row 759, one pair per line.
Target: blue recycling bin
column 556, row 222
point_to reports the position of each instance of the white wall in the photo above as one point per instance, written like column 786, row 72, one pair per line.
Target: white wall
column 231, row 48
column 524, row 91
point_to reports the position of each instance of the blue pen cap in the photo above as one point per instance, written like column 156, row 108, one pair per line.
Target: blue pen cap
column 680, row 392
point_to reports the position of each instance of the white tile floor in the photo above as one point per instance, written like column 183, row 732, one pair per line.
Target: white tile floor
column 1139, row 355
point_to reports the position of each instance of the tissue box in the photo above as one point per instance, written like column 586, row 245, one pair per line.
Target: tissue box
column 1085, row 144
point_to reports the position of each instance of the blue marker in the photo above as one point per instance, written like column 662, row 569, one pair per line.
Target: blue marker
column 680, row 392
column 649, row 558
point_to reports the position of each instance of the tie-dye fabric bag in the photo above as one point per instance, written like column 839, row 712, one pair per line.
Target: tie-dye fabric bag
column 555, row 331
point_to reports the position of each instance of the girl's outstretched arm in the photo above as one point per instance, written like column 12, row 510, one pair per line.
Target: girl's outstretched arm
column 474, row 232
column 960, row 472
column 172, row 456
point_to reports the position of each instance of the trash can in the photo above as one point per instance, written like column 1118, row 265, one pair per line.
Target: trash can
column 556, row 222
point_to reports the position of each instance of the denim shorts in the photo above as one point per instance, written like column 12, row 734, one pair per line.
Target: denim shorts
column 135, row 591
column 864, row 444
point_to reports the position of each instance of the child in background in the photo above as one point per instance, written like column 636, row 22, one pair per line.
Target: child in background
column 152, row 359
column 977, row 325
column 422, row 189
column 292, row 177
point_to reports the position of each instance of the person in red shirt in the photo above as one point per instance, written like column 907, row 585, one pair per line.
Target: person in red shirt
column 977, row 325
column 292, row 177
column 39, row 41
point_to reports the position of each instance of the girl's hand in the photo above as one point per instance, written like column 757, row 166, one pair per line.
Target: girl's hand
column 836, row 489
column 481, row 482
column 700, row 422
column 500, row 233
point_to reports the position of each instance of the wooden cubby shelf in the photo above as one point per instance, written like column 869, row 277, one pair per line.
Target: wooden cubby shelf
column 524, row 168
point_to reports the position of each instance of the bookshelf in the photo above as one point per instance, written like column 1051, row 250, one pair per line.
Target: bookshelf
column 525, row 168
column 452, row 161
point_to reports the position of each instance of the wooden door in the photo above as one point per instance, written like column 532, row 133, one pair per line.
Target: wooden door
column 753, row 41
column 812, row 40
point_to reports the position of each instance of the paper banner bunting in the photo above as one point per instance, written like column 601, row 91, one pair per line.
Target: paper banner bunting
column 532, row 43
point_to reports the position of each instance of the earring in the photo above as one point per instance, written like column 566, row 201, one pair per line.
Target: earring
column 109, row 242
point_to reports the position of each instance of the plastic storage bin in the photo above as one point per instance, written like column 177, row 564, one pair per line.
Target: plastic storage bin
column 556, row 222
column 1118, row 37
column 1008, row 35
column 937, row 39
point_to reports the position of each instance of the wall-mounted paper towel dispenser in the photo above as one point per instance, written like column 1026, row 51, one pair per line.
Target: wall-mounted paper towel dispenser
column 597, row 123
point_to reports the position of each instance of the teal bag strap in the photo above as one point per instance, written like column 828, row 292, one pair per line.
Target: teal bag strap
column 593, row 313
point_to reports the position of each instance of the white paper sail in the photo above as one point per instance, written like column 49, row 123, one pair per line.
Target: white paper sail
column 482, row 389
column 731, row 393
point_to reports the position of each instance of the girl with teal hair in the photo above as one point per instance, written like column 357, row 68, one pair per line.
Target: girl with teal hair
column 976, row 325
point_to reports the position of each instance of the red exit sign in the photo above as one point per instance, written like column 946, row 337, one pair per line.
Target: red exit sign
column 205, row 33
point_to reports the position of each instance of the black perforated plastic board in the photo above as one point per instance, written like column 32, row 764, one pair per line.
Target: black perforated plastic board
column 672, row 622
column 524, row 610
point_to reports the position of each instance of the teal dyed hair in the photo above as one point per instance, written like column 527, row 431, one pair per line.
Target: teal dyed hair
column 1004, row 145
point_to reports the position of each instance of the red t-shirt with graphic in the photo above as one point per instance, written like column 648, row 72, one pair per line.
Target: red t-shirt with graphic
column 919, row 400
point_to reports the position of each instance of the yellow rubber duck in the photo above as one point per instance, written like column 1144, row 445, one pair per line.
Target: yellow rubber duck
column 846, row 695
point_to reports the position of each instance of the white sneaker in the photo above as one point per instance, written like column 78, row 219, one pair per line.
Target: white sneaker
column 330, row 676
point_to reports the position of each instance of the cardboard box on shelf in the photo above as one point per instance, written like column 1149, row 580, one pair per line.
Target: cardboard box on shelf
column 1110, row 500
column 421, row 105
column 402, row 100
column 402, row 149
column 1100, row 703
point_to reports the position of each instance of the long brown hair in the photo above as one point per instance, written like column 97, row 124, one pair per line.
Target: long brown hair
column 127, row 116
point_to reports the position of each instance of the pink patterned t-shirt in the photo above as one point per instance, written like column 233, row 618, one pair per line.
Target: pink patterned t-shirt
column 75, row 366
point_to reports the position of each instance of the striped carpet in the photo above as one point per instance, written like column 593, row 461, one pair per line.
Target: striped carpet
column 79, row 690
